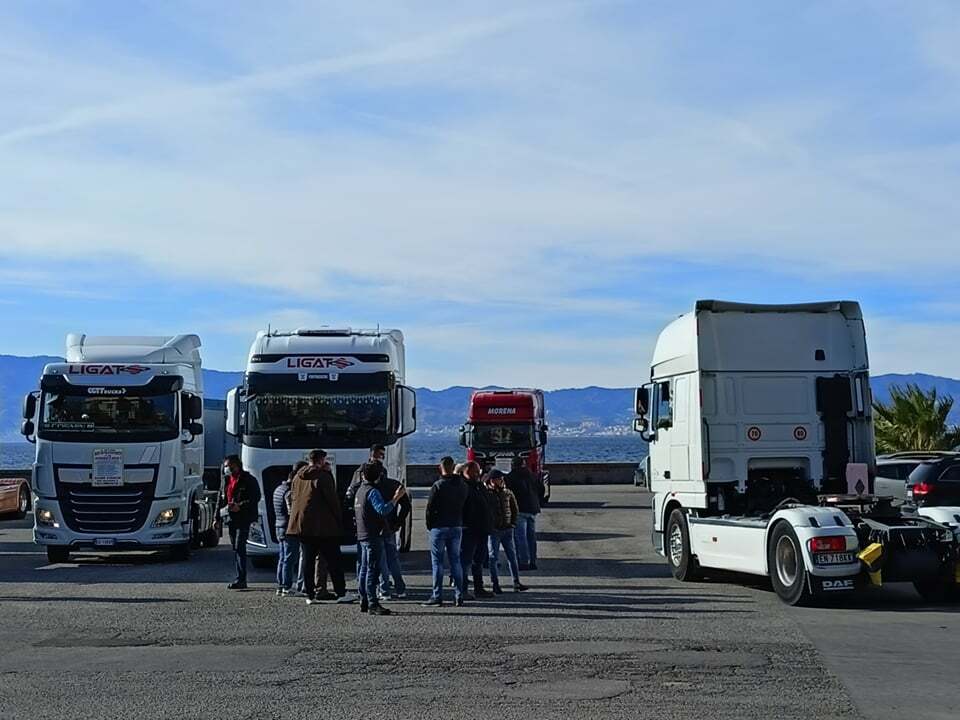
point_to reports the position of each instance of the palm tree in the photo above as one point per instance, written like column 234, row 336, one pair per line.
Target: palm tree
column 915, row 420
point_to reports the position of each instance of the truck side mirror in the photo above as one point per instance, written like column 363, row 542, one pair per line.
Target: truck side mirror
column 29, row 406
column 463, row 436
column 406, row 411
column 195, row 407
column 542, row 436
column 641, row 400
column 195, row 429
column 27, row 429
column 232, row 427
column 640, row 425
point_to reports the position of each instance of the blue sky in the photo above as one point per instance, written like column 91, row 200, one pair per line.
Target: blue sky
column 530, row 190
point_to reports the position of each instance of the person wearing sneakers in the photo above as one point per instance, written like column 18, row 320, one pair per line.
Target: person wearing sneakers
column 504, row 521
column 317, row 520
column 444, row 523
column 289, row 547
column 372, row 510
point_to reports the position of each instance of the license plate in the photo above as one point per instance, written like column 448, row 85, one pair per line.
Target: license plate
column 104, row 542
column 834, row 558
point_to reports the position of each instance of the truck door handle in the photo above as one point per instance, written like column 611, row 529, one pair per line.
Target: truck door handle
column 666, row 474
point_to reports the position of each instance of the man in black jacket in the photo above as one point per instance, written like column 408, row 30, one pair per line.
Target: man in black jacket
column 477, row 525
column 242, row 498
column 444, row 520
column 524, row 486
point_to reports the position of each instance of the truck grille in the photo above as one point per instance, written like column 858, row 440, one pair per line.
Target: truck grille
column 105, row 510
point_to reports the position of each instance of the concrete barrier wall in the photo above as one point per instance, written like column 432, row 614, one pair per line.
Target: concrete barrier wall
column 560, row 474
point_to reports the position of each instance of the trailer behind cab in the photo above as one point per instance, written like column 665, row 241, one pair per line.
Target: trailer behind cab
column 760, row 425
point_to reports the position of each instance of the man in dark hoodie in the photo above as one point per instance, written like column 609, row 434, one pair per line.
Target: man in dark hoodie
column 477, row 526
column 242, row 498
column 444, row 522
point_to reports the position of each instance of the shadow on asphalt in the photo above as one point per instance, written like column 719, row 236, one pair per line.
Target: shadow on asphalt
column 66, row 598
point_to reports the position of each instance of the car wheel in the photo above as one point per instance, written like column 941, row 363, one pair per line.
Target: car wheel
column 788, row 569
column 23, row 504
column 682, row 564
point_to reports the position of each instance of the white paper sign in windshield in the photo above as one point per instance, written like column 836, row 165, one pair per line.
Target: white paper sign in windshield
column 107, row 468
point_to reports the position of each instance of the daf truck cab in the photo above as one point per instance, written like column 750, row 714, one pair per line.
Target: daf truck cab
column 340, row 390
column 761, row 455
column 504, row 424
column 119, row 453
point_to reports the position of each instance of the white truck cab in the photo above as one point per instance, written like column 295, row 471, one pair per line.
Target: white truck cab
column 119, row 453
column 760, row 426
column 340, row 390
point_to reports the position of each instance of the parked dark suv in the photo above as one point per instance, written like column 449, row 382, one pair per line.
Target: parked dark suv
column 936, row 481
column 893, row 471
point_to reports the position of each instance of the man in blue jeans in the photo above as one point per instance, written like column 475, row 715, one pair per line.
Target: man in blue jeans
column 372, row 510
column 444, row 520
column 289, row 546
column 524, row 486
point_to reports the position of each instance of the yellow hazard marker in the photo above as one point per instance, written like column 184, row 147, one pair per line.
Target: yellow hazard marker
column 871, row 557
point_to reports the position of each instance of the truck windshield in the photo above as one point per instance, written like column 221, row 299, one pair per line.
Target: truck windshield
column 327, row 414
column 515, row 436
column 125, row 418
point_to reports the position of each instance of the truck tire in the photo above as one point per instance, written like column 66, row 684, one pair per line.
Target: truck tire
column 58, row 554
column 406, row 534
column 788, row 570
column 180, row 553
column 937, row 591
column 681, row 561
column 210, row 538
column 23, row 504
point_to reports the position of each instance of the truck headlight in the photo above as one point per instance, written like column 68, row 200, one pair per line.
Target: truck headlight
column 166, row 517
column 46, row 518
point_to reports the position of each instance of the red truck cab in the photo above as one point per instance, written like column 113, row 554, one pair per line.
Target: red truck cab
column 503, row 424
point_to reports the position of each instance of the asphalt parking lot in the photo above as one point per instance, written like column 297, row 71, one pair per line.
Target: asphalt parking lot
column 603, row 633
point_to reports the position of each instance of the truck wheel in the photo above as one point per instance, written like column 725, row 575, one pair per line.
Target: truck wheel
column 58, row 554
column 937, row 591
column 788, row 570
column 179, row 553
column 210, row 538
column 682, row 563
column 23, row 504
column 196, row 539
column 406, row 534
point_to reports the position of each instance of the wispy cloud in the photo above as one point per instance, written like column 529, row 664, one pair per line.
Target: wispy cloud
column 560, row 176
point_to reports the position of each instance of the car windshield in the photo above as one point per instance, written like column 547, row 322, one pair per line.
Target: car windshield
column 330, row 413
column 517, row 436
column 116, row 415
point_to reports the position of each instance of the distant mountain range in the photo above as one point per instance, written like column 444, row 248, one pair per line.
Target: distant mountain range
column 580, row 411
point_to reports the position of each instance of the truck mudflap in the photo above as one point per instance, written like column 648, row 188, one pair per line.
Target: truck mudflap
column 834, row 585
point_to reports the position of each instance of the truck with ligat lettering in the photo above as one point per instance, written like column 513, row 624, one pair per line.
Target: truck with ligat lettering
column 119, row 461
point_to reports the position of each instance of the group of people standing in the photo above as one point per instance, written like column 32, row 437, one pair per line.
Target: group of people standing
column 470, row 517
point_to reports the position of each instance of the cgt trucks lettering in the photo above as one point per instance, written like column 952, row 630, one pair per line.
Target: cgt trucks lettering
column 106, row 391
column 310, row 363
column 106, row 369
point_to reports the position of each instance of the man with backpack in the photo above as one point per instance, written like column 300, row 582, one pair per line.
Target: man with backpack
column 372, row 510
